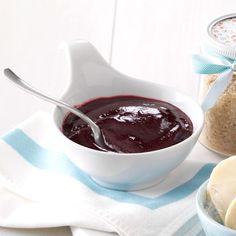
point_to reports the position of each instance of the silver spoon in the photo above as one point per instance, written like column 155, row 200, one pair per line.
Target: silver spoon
column 27, row 87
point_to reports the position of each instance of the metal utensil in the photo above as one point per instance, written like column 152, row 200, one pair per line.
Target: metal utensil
column 28, row 88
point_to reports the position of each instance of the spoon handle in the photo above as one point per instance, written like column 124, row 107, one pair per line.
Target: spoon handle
column 27, row 87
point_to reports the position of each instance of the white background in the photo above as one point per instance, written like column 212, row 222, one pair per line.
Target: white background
column 147, row 39
column 151, row 39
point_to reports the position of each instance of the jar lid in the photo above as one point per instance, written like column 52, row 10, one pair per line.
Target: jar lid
column 220, row 36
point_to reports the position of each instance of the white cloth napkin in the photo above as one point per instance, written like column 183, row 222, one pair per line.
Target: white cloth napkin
column 43, row 188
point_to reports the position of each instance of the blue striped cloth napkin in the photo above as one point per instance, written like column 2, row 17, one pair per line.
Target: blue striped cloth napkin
column 37, row 193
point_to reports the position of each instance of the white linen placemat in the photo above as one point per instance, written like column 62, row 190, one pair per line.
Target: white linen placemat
column 43, row 188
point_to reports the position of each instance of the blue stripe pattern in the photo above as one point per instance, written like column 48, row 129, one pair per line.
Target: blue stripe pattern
column 201, row 233
column 58, row 162
column 185, row 229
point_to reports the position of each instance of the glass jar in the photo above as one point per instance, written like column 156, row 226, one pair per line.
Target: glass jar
column 219, row 132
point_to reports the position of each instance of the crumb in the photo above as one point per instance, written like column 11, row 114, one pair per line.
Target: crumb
column 219, row 132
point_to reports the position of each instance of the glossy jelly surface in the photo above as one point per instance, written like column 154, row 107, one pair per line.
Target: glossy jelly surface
column 129, row 124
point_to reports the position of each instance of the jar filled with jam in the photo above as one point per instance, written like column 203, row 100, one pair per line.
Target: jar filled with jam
column 217, row 91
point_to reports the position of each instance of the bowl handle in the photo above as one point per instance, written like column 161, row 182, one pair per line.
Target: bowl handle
column 90, row 75
column 81, row 53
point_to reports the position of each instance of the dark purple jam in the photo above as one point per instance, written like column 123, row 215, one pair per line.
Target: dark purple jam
column 129, row 124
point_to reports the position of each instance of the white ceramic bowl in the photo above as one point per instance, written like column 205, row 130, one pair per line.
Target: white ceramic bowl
column 210, row 226
column 91, row 77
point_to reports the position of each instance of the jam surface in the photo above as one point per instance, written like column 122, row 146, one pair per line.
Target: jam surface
column 129, row 124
